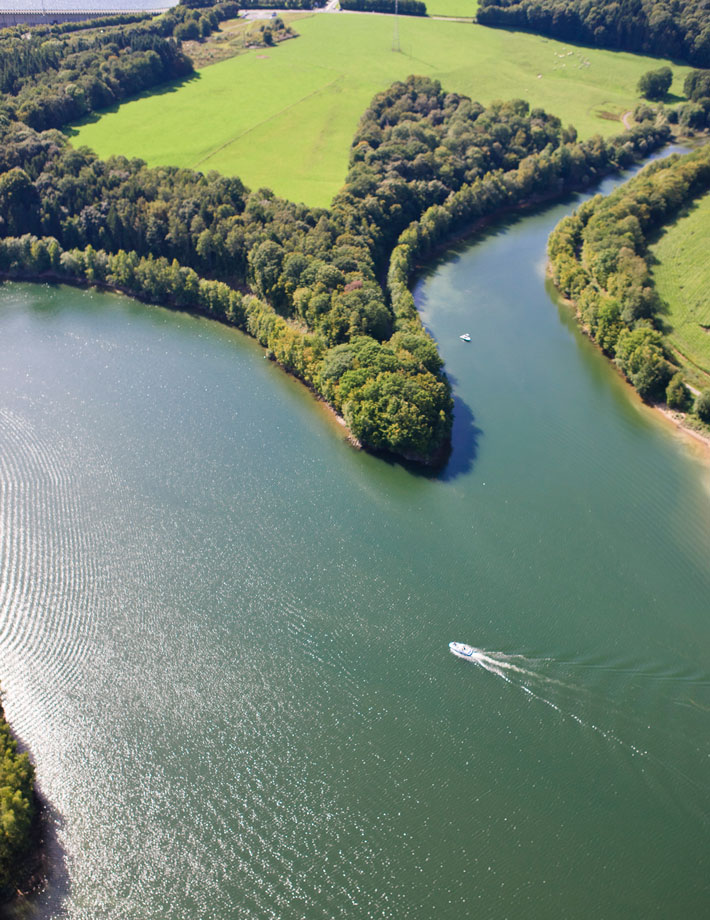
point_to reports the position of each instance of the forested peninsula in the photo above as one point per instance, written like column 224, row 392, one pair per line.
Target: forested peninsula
column 308, row 283
column 599, row 258
column 676, row 29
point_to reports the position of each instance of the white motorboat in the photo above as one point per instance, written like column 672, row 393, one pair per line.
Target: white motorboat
column 463, row 651
column 466, row 337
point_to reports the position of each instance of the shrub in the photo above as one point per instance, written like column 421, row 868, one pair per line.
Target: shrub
column 187, row 31
column 678, row 394
column 654, row 84
column 702, row 406
column 692, row 116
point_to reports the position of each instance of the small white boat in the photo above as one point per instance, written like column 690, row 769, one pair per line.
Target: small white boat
column 466, row 337
column 463, row 651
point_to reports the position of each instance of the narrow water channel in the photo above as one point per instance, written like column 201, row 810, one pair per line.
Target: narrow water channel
column 223, row 632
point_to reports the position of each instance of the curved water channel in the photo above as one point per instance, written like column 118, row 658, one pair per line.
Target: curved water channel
column 223, row 632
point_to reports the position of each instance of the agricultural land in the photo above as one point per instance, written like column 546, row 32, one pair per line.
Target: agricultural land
column 459, row 9
column 682, row 277
column 284, row 118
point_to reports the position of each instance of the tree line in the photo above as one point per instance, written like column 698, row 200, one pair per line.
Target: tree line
column 678, row 29
column 17, row 808
column 279, row 4
column 537, row 177
column 49, row 79
column 599, row 259
column 405, row 7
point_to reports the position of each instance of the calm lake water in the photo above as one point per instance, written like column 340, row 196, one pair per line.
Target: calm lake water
column 223, row 632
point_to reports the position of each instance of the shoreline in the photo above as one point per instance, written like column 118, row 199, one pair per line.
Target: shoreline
column 677, row 419
column 425, row 463
column 333, row 415
column 531, row 203
column 29, row 870
column 482, row 223
column 671, row 416
column 34, row 867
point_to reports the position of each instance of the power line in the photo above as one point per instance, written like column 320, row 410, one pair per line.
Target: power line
column 395, row 37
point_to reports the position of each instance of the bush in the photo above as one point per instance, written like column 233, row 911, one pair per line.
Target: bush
column 187, row 31
column 644, row 112
column 654, row 84
column 702, row 406
column 678, row 394
column 692, row 116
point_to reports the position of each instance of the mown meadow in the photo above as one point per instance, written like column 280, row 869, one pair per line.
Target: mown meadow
column 464, row 9
column 284, row 118
column 682, row 278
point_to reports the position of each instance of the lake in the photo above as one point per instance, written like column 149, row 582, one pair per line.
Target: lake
column 223, row 631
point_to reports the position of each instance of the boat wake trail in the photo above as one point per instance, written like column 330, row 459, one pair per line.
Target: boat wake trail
column 633, row 708
column 504, row 666
column 565, row 698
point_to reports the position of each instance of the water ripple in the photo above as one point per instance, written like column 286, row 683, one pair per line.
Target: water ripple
column 49, row 582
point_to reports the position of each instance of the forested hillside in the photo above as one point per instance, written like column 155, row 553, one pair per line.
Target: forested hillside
column 667, row 28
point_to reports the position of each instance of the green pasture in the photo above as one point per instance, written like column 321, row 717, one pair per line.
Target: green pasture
column 285, row 117
column 682, row 277
column 465, row 9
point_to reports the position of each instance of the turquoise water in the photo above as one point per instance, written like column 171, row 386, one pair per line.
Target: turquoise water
column 223, row 632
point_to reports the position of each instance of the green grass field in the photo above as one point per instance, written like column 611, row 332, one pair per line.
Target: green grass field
column 683, row 280
column 466, row 9
column 284, row 118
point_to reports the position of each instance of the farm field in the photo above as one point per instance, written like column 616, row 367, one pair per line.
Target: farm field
column 284, row 118
column 466, row 9
column 682, row 278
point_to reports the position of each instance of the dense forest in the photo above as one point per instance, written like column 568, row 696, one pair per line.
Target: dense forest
column 17, row 808
column 678, row 29
column 598, row 258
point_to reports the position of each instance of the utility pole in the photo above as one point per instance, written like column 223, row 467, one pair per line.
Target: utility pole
column 395, row 37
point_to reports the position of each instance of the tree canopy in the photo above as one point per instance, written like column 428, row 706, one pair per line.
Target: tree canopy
column 654, row 84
